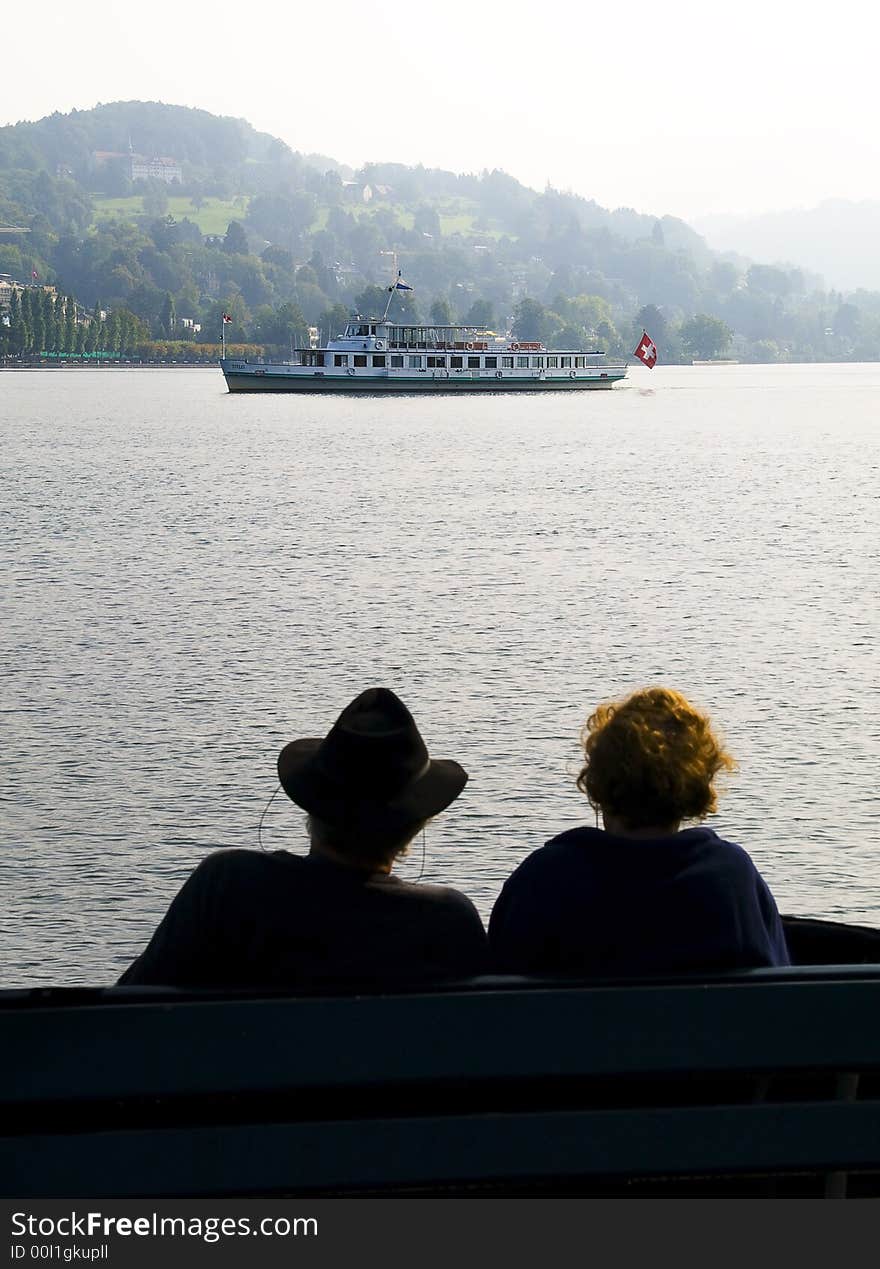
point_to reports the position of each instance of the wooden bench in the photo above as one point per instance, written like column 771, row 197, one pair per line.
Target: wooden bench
column 753, row 1083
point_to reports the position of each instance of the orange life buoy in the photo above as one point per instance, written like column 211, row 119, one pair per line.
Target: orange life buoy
column 514, row 347
column 470, row 347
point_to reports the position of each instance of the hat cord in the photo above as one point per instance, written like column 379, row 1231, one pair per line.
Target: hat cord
column 263, row 816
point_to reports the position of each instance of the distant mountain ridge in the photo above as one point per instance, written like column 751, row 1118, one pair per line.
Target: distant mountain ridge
column 189, row 135
column 836, row 239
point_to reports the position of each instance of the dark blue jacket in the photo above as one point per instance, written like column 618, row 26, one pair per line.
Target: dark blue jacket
column 592, row 903
column 248, row 917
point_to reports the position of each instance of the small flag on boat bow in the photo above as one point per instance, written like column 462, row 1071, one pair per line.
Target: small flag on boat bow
column 647, row 351
column 226, row 319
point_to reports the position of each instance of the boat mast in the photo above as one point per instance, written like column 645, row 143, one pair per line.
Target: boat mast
column 392, row 288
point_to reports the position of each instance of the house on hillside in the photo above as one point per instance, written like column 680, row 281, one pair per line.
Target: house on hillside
column 7, row 287
column 156, row 169
column 355, row 192
column 141, row 168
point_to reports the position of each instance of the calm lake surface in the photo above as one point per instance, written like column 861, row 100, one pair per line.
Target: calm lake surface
column 191, row 579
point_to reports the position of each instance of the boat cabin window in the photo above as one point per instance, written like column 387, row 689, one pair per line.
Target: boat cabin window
column 491, row 363
column 396, row 362
column 379, row 359
column 565, row 363
column 372, row 330
column 537, row 363
column 455, row 363
column 360, row 359
column 579, row 363
column 436, row 363
column 363, row 330
column 340, row 359
column 415, row 363
column 552, row 363
column 522, row 363
column 507, row 363
column 473, row 363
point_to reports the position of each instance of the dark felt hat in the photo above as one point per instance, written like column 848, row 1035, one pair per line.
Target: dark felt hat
column 371, row 770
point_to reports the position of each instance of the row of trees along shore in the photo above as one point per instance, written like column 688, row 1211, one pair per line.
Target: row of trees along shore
column 42, row 325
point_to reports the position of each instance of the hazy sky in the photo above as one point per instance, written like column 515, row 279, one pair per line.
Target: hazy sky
column 682, row 107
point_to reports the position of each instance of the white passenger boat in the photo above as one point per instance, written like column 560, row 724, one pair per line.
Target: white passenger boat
column 375, row 355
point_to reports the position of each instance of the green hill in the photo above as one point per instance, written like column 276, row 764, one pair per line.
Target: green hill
column 174, row 215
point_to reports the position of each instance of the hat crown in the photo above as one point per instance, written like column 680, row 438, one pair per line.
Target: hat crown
column 374, row 748
column 371, row 772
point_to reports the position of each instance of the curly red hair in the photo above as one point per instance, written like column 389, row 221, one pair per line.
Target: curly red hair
column 651, row 759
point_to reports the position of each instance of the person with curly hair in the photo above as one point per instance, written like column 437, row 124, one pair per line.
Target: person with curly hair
column 642, row 895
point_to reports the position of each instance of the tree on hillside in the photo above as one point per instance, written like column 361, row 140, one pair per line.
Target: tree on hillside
column 441, row 313
column 283, row 327
column 426, row 221
column 567, row 336
column 650, row 318
column 279, row 256
column 235, row 243
column 529, row 320
column 156, row 199
column 847, row 321
column 18, row 333
column 212, row 321
column 50, row 322
column 480, row 313
column 767, row 278
column 38, row 325
column 167, row 316
column 724, row 276
column 69, row 340
column 331, row 321
column 371, row 301
column 705, row 337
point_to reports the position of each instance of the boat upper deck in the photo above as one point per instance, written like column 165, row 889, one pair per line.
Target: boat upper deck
column 385, row 334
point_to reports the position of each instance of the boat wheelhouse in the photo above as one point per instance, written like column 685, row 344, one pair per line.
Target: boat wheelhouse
column 378, row 355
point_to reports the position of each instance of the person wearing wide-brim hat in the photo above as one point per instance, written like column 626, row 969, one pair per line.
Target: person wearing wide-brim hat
column 337, row 914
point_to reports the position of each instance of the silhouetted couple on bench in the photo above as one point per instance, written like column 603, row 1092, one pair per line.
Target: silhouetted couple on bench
column 640, row 896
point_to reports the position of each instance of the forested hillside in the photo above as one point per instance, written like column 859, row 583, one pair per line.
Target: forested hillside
column 282, row 240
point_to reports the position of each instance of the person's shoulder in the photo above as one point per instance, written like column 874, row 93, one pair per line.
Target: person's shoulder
column 554, row 854
column 430, row 893
column 730, row 855
column 443, row 901
column 241, row 864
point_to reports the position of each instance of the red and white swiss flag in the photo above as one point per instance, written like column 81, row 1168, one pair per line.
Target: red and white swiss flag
column 647, row 350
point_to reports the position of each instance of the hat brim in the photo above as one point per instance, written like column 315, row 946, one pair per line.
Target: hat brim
column 306, row 784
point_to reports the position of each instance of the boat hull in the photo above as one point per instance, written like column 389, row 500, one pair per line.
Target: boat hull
column 270, row 380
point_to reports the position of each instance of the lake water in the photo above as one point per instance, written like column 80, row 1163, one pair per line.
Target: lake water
column 191, row 579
